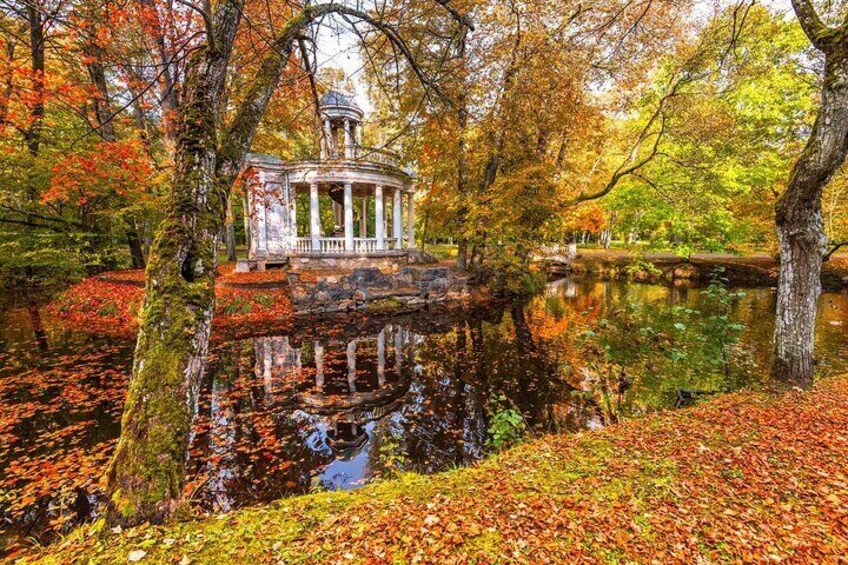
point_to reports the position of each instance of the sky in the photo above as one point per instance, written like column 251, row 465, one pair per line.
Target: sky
column 338, row 47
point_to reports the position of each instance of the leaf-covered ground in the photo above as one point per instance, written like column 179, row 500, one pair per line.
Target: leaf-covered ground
column 747, row 477
column 108, row 304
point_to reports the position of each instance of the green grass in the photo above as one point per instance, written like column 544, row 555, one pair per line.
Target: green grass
column 442, row 251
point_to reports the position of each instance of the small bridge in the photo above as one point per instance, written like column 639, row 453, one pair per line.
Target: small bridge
column 556, row 257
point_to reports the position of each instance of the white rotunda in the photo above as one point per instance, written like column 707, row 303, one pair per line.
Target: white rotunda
column 368, row 191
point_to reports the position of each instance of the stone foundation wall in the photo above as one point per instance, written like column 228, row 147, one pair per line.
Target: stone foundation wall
column 373, row 290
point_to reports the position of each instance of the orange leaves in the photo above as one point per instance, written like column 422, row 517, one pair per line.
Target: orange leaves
column 237, row 306
column 111, row 169
column 109, row 304
column 100, row 306
column 269, row 277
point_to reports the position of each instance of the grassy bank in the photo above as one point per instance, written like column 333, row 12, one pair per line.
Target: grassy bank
column 747, row 477
column 753, row 270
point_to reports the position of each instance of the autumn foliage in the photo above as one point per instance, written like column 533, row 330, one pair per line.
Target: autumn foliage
column 109, row 304
column 109, row 169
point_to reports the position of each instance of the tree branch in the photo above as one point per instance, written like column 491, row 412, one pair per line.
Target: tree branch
column 32, row 224
column 238, row 138
column 820, row 35
column 632, row 163
column 207, row 19
column 464, row 20
column 835, row 247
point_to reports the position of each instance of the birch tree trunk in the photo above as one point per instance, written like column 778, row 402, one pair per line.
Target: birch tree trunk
column 800, row 228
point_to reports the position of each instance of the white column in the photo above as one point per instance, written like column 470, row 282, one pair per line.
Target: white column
column 319, row 366
column 378, row 215
column 397, row 220
column 363, row 218
column 314, row 217
column 338, row 216
column 328, row 139
column 348, row 216
column 293, row 214
column 325, row 139
column 381, row 358
column 348, row 140
column 398, row 349
column 259, row 210
column 351, row 366
column 410, row 213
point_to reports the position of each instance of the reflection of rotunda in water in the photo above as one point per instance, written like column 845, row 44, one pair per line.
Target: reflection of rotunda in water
column 340, row 386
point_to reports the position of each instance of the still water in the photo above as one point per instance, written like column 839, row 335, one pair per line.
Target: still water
column 351, row 399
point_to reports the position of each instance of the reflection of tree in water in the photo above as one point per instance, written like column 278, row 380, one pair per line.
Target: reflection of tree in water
column 461, row 376
column 339, row 403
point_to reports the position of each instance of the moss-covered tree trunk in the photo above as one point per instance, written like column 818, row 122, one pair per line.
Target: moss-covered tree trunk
column 800, row 228
column 147, row 473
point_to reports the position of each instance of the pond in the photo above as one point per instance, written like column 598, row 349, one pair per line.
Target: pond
column 347, row 400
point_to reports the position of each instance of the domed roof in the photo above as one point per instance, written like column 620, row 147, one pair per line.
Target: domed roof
column 338, row 104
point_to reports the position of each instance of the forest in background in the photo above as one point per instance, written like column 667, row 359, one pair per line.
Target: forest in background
column 686, row 121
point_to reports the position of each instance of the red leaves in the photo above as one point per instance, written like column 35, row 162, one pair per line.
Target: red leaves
column 109, row 304
column 101, row 307
column 270, row 277
column 111, row 169
column 744, row 478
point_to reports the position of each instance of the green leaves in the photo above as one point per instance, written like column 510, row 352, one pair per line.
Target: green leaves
column 507, row 426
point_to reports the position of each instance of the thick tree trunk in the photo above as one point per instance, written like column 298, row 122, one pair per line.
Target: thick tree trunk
column 462, row 254
column 800, row 228
column 36, row 45
column 102, row 109
column 146, row 475
column 9, row 86
column 137, row 256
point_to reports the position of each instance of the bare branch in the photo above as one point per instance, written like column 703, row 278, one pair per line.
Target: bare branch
column 835, row 247
column 464, row 20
